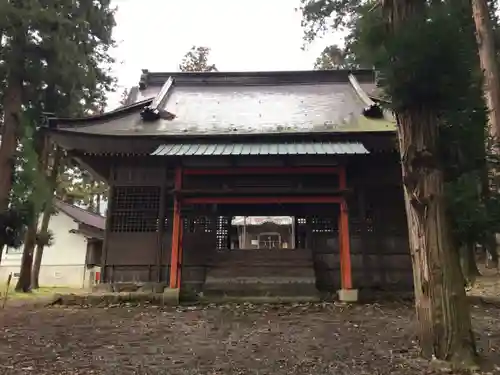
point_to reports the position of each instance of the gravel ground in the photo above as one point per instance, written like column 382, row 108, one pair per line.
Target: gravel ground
column 224, row 339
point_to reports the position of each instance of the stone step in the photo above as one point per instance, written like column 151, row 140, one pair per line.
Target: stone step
column 262, row 263
column 262, row 271
column 222, row 287
column 256, row 255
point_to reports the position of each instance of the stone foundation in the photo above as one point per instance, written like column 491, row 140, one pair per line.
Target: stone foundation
column 169, row 297
column 348, row 295
column 130, row 287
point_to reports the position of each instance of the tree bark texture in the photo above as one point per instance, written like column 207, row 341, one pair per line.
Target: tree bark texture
column 10, row 134
column 441, row 304
column 487, row 57
column 469, row 264
column 47, row 213
column 24, row 281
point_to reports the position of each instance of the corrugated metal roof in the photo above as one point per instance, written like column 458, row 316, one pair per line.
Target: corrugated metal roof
column 303, row 148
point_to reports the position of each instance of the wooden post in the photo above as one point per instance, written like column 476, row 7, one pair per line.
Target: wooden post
column 345, row 248
column 176, row 233
column 181, row 251
column 347, row 293
column 161, row 226
column 105, row 275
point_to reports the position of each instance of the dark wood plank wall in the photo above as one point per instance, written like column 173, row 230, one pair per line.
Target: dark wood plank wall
column 378, row 228
column 139, row 237
column 139, row 233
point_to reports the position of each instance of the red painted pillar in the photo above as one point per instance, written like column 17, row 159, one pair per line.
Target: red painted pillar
column 181, row 251
column 345, row 247
column 175, row 257
column 344, row 238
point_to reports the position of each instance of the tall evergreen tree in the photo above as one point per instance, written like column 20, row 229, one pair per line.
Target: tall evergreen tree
column 489, row 63
column 44, row 237
column 56, row 55
column 427, row 77
column 474, row 211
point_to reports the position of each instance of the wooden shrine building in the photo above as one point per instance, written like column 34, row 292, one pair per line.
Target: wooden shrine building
column 193, row 156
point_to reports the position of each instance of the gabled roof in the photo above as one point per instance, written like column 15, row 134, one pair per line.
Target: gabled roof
column 80, row 215
column 240, row 103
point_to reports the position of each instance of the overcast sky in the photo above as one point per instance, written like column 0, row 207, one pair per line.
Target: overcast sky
column 244, row 35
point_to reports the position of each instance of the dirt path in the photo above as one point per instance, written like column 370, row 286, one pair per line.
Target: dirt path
column 228, row 339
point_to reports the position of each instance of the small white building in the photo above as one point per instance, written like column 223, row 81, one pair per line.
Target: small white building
column 74, row 258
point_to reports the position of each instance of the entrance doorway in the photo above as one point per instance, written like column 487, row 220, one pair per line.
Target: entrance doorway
column 256, row 201
column 262, row 249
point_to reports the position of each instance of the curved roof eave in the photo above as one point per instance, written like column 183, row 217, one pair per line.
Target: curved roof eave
column 243, row 136
column 90, row 120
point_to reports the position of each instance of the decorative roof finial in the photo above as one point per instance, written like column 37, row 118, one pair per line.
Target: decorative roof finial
column 154, row 111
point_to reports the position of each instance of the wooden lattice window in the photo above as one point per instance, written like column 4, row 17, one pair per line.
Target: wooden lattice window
column 369, row 215
column 301, row 232
column 222, row 233
column 198, row 224
column 167, row 224
column 135, row 209
column 324, row 224
column 356, row 226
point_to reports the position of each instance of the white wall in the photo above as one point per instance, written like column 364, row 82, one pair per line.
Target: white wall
column 63, row 264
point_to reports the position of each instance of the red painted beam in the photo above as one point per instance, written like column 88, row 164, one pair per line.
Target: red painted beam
column 262, row 170
column 265, row 200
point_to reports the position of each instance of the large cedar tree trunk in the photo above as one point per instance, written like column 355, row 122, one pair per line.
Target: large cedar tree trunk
column 10, row 133
column 487, row 57
column 24, row 282
column 441, row 304
column 47, row 213
column 469, row 264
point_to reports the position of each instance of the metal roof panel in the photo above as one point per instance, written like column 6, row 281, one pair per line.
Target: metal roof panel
column 302, row 148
